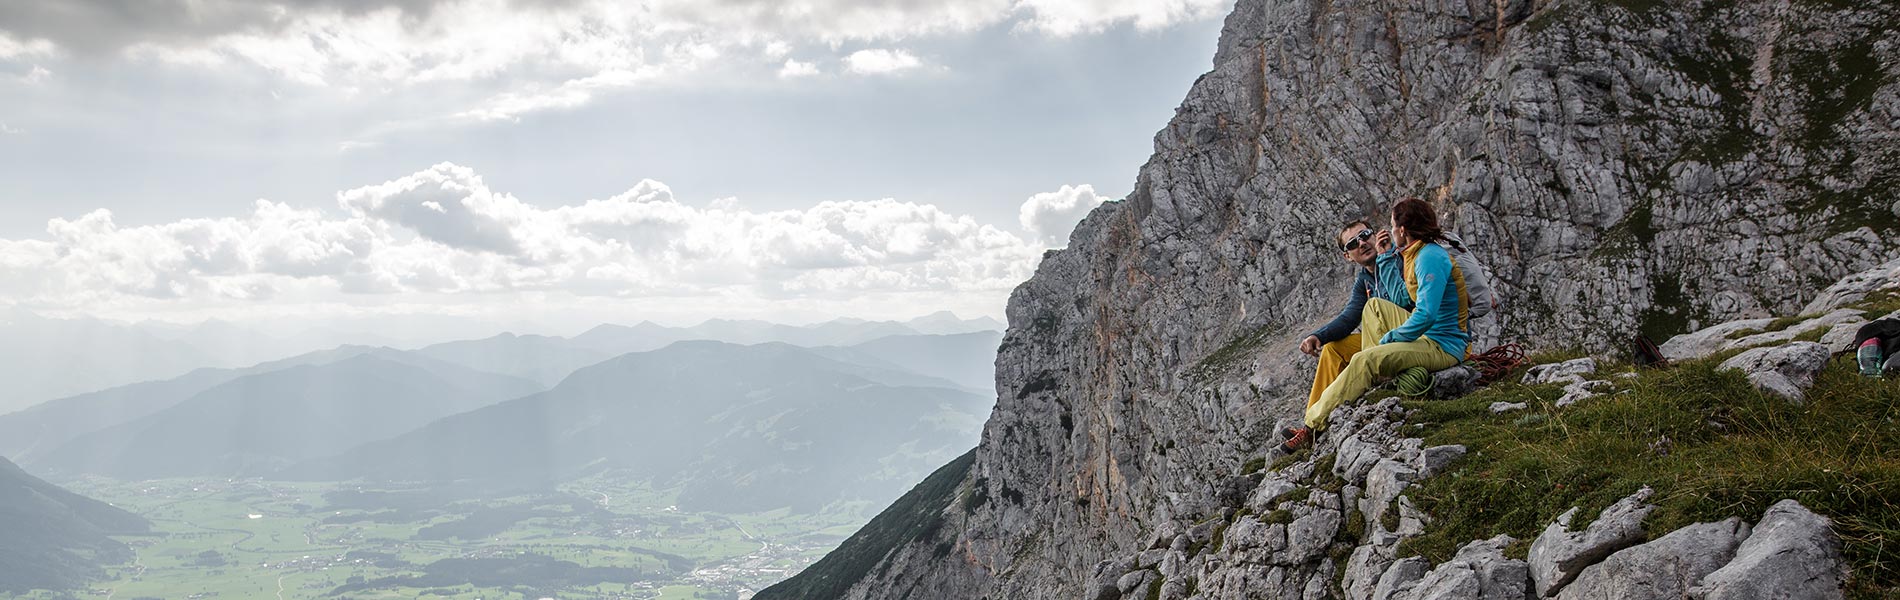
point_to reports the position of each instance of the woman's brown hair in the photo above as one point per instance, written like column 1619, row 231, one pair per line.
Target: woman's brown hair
column 1418, row 218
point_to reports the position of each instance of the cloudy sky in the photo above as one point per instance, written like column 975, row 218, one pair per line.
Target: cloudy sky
column 672, row 160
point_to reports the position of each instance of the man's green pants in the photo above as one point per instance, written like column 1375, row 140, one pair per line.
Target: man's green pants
column 1376, row 360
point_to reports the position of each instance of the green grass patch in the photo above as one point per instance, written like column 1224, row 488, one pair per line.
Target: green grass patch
column 1732, row 451
column 1253, row 465
column 1299, row 494
column 1780, row 324
column 1296, row 456
column 1878, row 304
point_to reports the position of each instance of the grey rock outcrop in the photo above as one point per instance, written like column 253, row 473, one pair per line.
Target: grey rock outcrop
column 1663, row 569
column 1749, row 333
column 1831, row 310
column 1698, row 344
column 1559, row 554
column 1480, row 571
column 1401, row 577
column 1434, row 460
column 1619, row 167
column 1855, row 287
column 1785, row 371
column 1569, row 371
column 1792, row 553
column 1504, row 407
column 1582, row 390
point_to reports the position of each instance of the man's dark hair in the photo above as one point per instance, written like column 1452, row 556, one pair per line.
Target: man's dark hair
column 1348, row 227
column 1418, row 218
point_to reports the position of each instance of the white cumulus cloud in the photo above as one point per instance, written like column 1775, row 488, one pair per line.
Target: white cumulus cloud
column 444, row 233
column 1049, row 216
column 794, row 69
column 879, row 61
column 487, row 60
column 1070, row 17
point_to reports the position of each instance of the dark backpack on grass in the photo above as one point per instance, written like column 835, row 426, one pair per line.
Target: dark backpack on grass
column 1886, row 330
column 1644, row 353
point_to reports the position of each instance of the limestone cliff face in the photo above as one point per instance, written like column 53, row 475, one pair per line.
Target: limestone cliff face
column 1621, row 165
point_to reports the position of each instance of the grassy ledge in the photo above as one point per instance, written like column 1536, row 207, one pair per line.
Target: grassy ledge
column 1710, row 444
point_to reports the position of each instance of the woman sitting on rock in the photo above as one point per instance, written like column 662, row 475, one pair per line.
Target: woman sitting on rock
column 1433, row 336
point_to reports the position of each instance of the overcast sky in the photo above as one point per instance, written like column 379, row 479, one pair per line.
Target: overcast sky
column 603, row 161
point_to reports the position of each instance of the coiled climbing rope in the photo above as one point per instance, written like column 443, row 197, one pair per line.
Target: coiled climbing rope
column 1415, row 381
column 1497, row 362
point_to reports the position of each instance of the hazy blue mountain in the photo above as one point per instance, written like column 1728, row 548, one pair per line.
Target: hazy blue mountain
column 615, row 339
column 228, row 344
column 51, row 538
column 538, row 358
column 967, row 359
column 739, row 427
column 620, row 339
column 948, row 323
column 548, row 359
column 44, row 358
column 258, row 423
column 42, row 427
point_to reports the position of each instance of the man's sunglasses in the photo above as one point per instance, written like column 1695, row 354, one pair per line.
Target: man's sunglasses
column 1365, row 235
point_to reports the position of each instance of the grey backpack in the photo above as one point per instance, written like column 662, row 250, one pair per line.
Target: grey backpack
column 1477, row 278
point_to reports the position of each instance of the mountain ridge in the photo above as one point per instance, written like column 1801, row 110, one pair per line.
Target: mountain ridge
column 56, row 539
column 762, row 416
column 1620, row 167
column 243, row 426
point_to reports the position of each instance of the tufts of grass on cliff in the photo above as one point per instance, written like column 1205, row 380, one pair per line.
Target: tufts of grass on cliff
column 1709, row 443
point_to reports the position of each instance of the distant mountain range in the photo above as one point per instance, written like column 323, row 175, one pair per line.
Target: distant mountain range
column 737, row 427
column 967, row 359
column 48, row 358
column 548, row 359
column 51, row 538
column 257, row 423
column 42, row 358
column 28, row 433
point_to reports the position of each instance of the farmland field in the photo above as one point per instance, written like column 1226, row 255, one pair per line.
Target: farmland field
column 591, row 538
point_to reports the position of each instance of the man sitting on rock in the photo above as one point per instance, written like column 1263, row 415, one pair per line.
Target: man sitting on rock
column 1378, row 277
column 1391, row 338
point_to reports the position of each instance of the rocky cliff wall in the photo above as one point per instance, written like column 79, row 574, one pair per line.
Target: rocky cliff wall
column 1621, row 165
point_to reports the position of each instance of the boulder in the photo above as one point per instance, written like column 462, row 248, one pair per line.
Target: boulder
column 1109, row 571
column 1387, row 480
column 1136, row 583
column 1559, row 554
column 1841, row 335
column 1478, row 572
column 1785, row 371
column 1578, row 391
column 1792, row 553
column 1412, row 521
column 1701, row 343
column 1248, row 533
column 1363, row 569
column 1569, row 371
column 1498, row 408
column 1435, row 459
column 1663, row 569
column 1308, row 536
column 1401, row 577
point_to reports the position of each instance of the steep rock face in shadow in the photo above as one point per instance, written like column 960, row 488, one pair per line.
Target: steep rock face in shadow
column 1621, row 167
